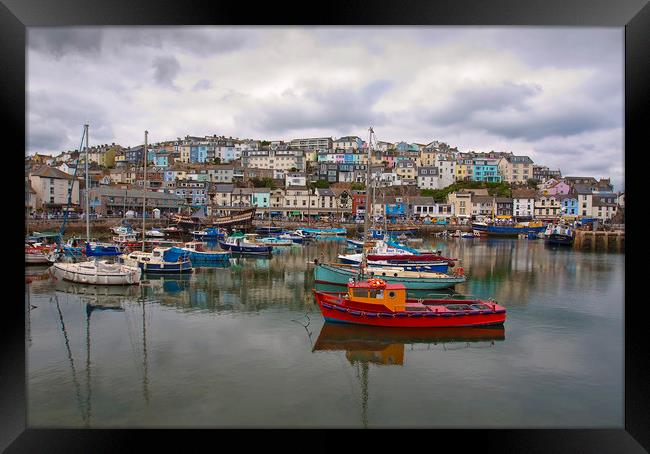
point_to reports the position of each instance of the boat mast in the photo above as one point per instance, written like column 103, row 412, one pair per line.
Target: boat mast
column 87, row 190
column 144, row 191
column 366, row 223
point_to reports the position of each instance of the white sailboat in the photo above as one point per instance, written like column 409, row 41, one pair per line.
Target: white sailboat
column 95, row 272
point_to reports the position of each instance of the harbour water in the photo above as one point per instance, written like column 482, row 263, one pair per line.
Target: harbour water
column 245, row 346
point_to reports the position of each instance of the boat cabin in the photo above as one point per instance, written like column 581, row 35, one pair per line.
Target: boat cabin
column 374, row 292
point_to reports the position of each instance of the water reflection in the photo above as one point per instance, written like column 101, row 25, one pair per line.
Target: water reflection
column 219, row 346
column 364, row 345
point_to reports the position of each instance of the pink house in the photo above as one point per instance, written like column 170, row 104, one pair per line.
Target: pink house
column 559, row 188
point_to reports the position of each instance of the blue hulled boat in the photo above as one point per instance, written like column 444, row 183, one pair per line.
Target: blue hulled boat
column 200, row 257
column 239, row 244
column 507, row 230
column 161, row 260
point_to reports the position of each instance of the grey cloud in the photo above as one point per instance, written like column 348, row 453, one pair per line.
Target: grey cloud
column 466, row 102
column 165, row 70
column 564, row 120
column 61, row 41
column 55, row 122
column 202, row 84
column 336, row 109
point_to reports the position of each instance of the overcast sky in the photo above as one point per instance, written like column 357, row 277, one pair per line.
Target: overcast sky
column 555, row 94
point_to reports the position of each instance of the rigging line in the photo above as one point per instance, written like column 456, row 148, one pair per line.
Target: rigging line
column 70, row 358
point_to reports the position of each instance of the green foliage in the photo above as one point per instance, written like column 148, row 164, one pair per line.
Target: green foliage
column 358, row 186
column 263, row 182
column 440, row 195
column 217, row 160
column 532, row 183
column 322, row 184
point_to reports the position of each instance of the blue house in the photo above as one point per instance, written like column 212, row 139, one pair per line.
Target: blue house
column 161, row 160
column 198, row 153
column 486, row 170
column 569, row 204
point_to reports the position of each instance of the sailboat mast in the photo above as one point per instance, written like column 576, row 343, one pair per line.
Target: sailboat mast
column 87, row 209
column 366, row 218
column 144, row 192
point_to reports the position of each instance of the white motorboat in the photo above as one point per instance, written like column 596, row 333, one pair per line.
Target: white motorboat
column 155, row 233
column 97, row 272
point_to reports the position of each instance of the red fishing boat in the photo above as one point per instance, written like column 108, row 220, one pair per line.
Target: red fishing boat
column 376, row 303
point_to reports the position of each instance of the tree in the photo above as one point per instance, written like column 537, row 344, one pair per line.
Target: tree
column 358, row 186
column 293, row 169
column 217, row 160
column 532, row 183
column 322, row 184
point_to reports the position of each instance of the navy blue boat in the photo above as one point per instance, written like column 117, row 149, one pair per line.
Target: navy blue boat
column 238, row 244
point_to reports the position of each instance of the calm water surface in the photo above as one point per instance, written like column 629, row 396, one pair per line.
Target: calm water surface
column 245, row 346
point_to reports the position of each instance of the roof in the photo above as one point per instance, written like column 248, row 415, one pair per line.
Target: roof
column 518, row 159
column 482, row 199
column 50, row 172
column 419, row 200
column 523, row 193
column 224, row 188
column 111, row 192
column 325, row 192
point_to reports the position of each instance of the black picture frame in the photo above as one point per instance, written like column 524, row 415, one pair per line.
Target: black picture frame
column 634, row 15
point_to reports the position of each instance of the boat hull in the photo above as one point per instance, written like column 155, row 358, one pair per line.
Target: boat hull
column 334, row 311
column 252, row 250
column 505, row 231
column 198, row 258
column 328, row 274
column 71, row 273
column 562, row 240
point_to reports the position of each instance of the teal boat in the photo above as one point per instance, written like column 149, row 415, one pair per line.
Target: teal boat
column 340, row 275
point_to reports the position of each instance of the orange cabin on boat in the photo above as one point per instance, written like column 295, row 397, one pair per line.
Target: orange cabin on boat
column 374, row 293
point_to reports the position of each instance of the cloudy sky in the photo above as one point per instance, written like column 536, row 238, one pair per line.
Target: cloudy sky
column 555, row 94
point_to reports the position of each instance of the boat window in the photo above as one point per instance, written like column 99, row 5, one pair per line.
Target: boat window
column 360, row 292
column 391, row 294
column 376, row 293
column 458, row 307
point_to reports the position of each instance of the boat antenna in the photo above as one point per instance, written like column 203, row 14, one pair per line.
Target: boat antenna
column 144, row 191
column 87, row 189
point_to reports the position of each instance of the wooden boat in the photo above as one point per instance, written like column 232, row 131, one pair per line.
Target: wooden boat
column 199, row 256
column 340, row 275
column 375, row 302
column 240, row 244
column 97, row 272
column 161, row 260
